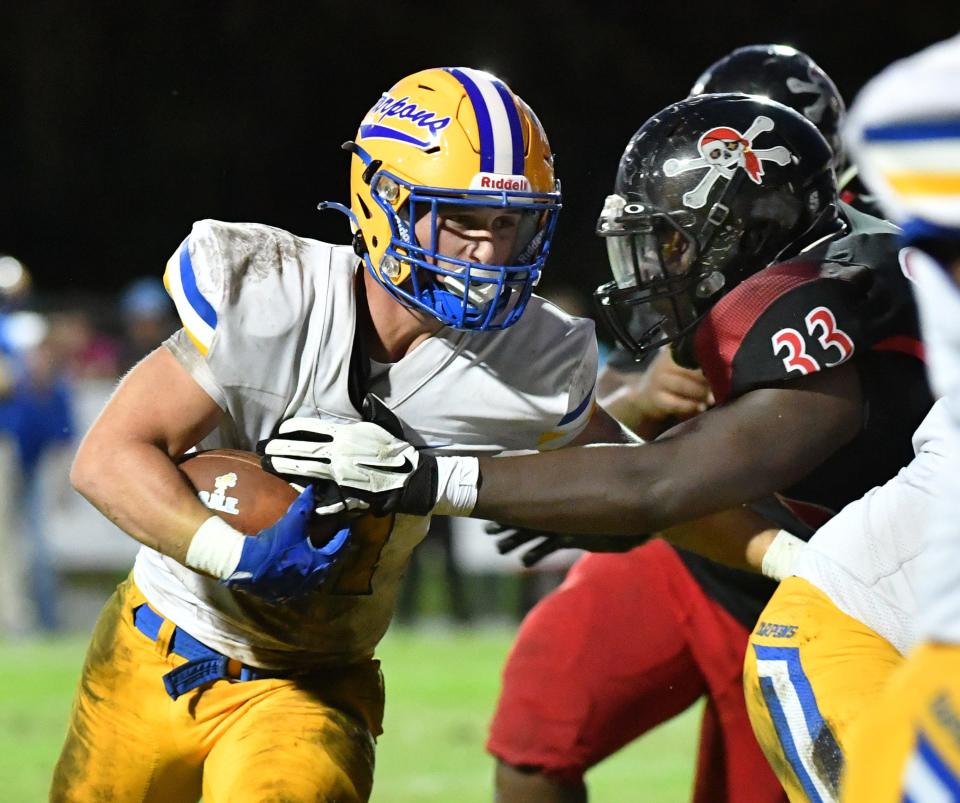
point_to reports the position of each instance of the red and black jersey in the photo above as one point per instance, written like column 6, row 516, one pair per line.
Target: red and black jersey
column 845, row 299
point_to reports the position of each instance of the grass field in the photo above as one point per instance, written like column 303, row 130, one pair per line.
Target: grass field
column 441, row 686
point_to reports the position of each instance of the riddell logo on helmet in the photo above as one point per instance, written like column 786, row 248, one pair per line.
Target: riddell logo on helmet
column 496, row 181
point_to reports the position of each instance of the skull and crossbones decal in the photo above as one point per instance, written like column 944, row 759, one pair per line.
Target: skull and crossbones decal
column 723, row 151
column 815, row 86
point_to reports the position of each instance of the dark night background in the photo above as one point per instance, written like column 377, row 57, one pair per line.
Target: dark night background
column 124, row 122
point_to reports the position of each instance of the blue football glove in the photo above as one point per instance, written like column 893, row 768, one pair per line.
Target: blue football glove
column 279, row 563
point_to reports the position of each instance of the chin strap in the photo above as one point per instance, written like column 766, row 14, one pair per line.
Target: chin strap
column 719, row 211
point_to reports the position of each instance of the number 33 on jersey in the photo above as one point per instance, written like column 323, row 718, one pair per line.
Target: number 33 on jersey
column 822, row 324
column 840, row 301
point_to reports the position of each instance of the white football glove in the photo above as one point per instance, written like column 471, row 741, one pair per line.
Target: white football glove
column 367, row 466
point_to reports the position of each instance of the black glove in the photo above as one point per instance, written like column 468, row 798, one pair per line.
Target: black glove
column 512, row 538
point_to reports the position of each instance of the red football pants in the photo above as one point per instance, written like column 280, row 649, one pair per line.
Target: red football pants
column 627, row 642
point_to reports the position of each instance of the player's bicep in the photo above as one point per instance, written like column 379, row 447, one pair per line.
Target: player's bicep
column 765, row 440
column 159, row 403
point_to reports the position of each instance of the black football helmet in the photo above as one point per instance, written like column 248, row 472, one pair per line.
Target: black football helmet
column 708, row 192
column 786, row 75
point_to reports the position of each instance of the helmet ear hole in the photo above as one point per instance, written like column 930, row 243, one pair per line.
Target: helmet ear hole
column 364, row 207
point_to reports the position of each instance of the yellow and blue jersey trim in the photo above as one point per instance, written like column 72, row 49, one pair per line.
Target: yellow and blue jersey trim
column 917, row 158
column 928, row 775
column 198, row 316
column 800, row 726
column 563, row 425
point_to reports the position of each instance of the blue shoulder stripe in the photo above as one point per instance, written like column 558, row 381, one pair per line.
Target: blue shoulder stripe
column 938, row 766
column 188, row 281
column 918, row 229
column 913, row 131
column 573, row 415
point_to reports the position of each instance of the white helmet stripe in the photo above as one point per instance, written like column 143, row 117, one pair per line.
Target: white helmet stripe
column 499, row 151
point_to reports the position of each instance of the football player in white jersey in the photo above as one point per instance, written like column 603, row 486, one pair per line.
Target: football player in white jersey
column 825, row 673
column 242, row 668
column 905, row 133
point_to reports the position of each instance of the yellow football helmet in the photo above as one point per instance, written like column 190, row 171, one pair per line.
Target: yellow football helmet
column 442, row 137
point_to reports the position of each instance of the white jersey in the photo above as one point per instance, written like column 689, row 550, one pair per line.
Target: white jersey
column 939, row 597
column 904, row 133
column 867, row 558
column 269, row 322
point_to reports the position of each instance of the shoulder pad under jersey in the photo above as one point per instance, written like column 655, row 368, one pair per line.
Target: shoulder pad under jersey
column 240, row 274
column 786, row 321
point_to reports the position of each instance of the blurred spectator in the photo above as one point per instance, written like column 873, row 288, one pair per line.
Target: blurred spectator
column 87, row 353
column 15, row 282
column 35, row 416
column 148, row 320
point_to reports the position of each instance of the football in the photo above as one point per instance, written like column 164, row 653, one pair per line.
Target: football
column 231, row 483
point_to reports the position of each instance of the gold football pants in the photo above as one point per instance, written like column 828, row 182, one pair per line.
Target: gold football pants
column 810, row 672
column 907, row 746
column 309, row 738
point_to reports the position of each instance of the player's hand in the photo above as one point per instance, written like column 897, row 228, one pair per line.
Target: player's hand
column 546, row 542
column 663, row 393
column 280, row 563
column 671, row 391
column 357, row 466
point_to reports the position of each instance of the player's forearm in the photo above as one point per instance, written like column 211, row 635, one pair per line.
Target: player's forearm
column 138, row 487
column 598, row 489
column 737, row 537
column 725, row 457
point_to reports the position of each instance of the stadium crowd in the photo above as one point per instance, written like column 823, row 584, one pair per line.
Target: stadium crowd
column 59, row 361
